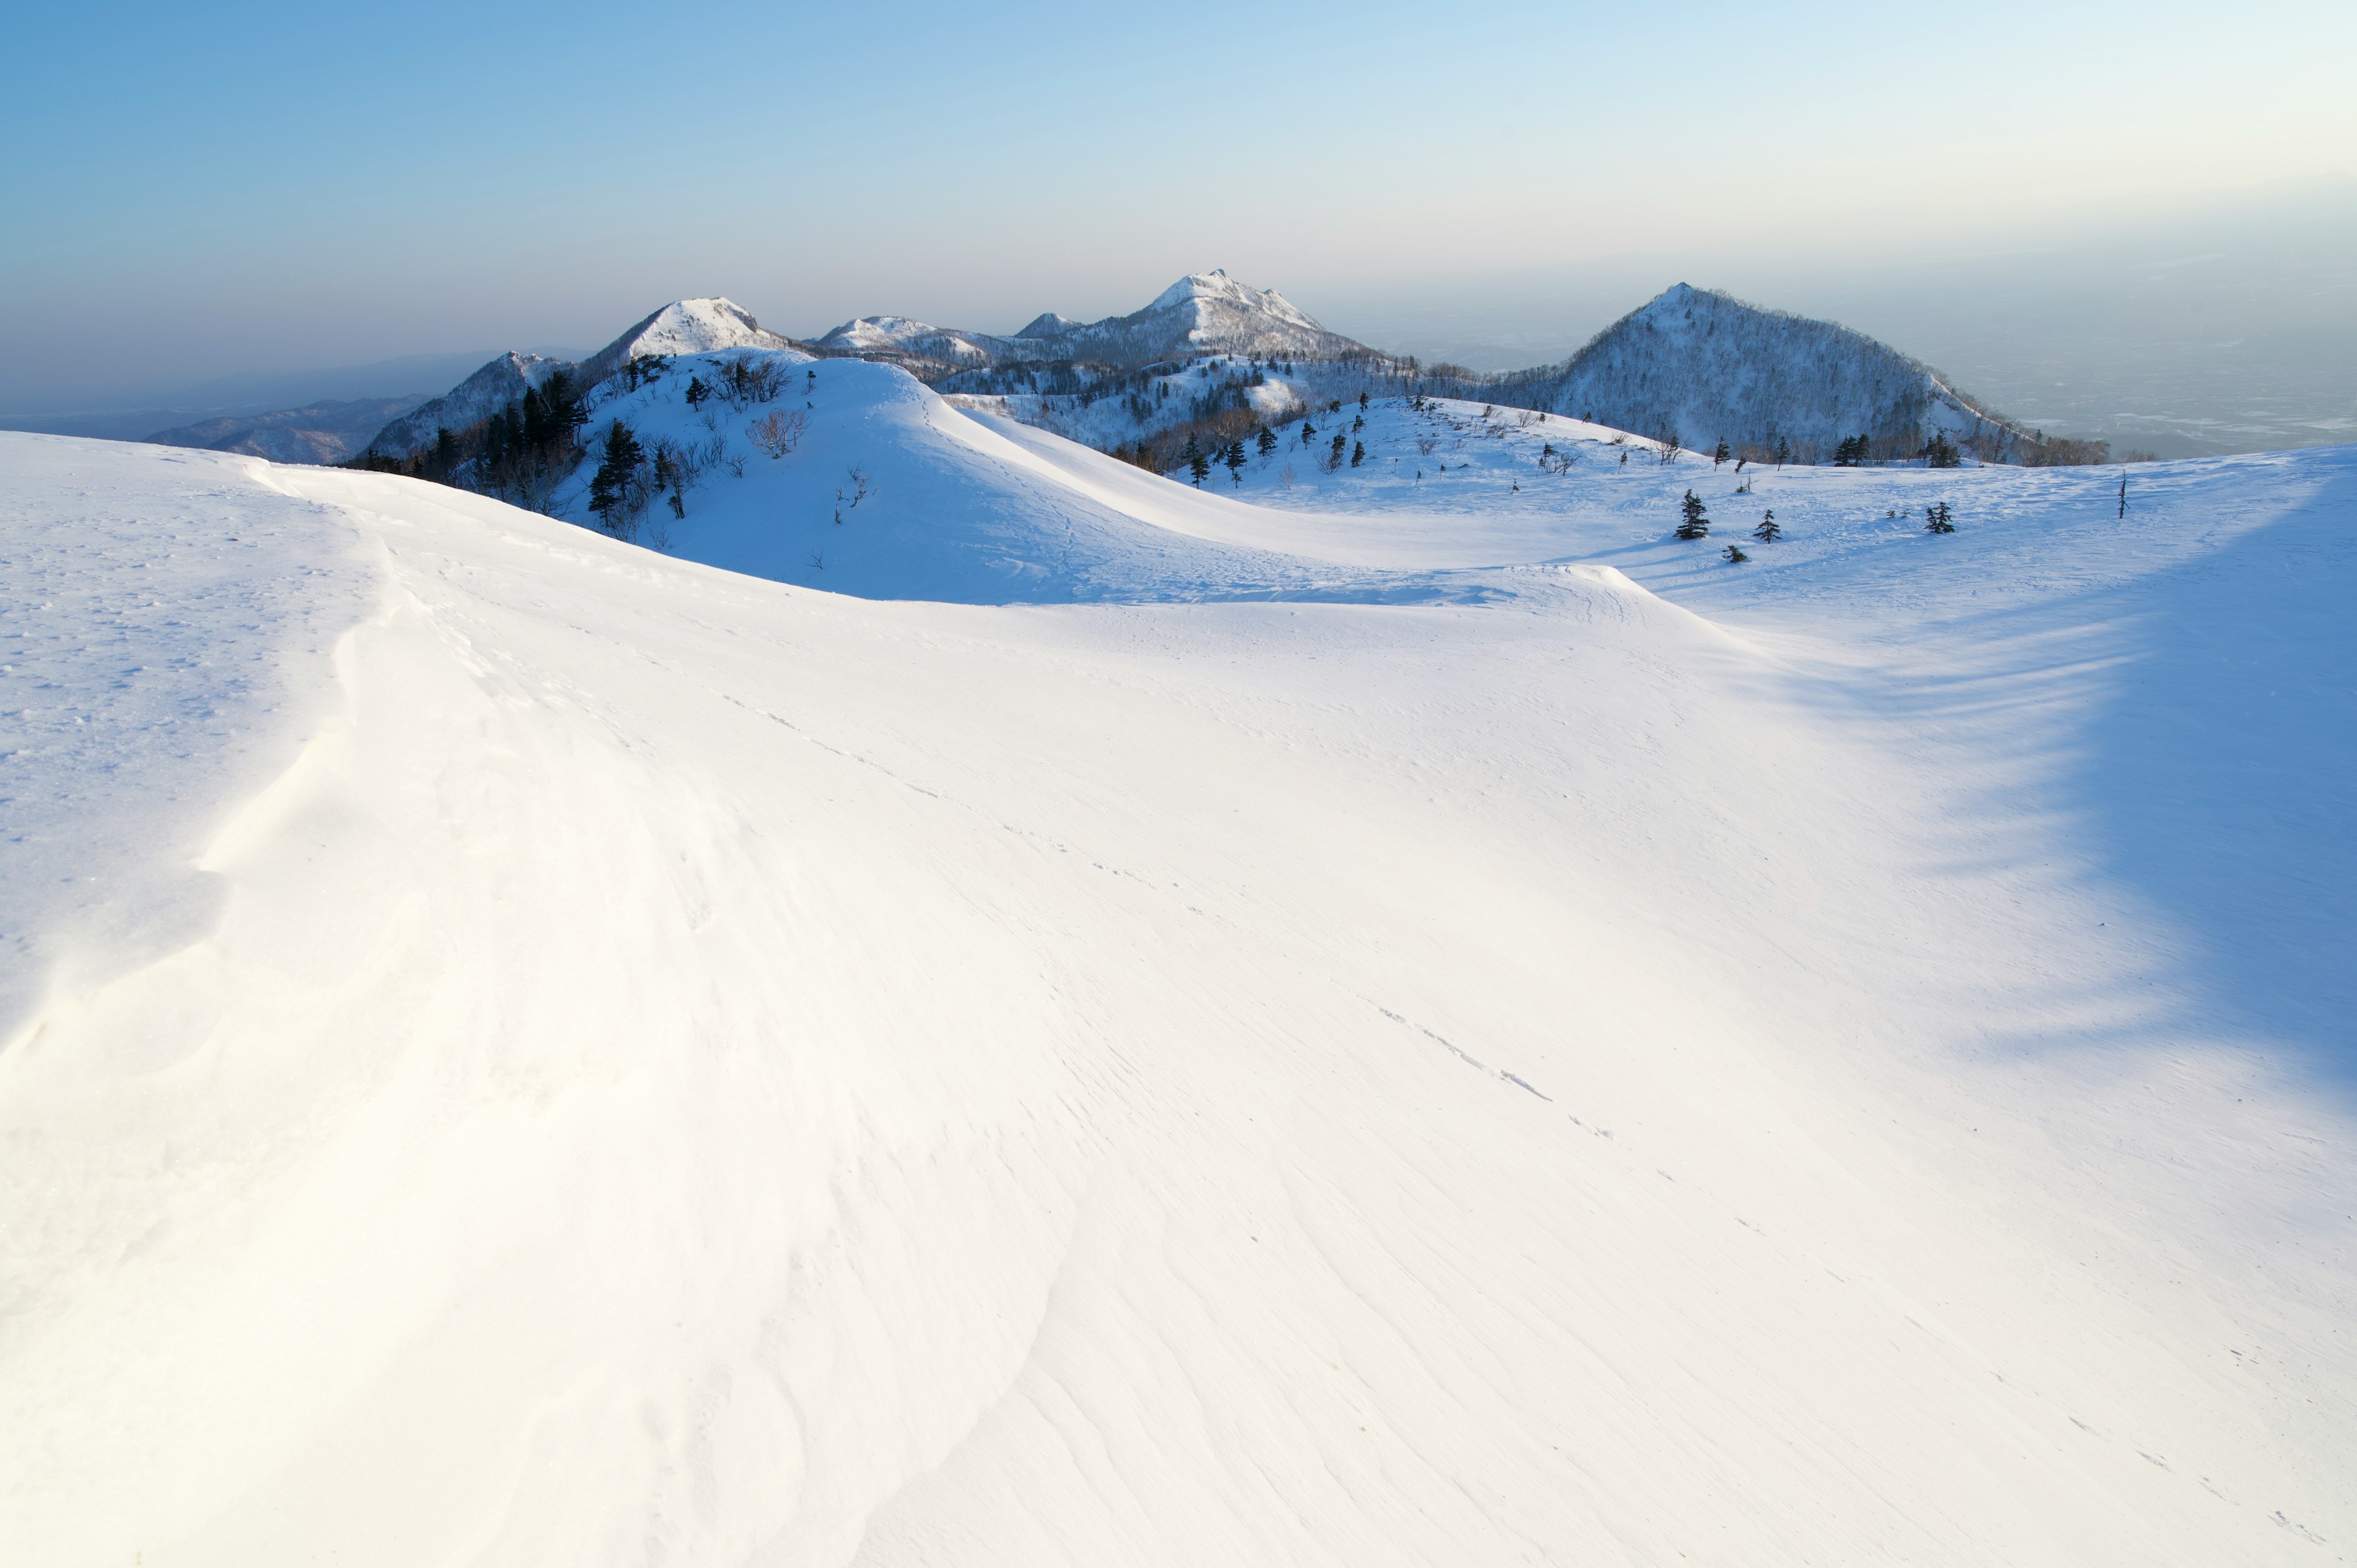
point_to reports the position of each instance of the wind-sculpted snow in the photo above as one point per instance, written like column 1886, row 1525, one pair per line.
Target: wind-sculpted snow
column 1627, row 1058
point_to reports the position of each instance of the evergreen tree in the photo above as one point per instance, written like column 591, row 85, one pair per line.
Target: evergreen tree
column 1936, row 519
column 1770, row 531
column 1307, row 430
column 1783, row 451
column 1267, row 441
column 1693, row 519
column 696, row 392
column 1720, row 454
column 1735, row 555
column 1358, row 453
column 611, row 483
column 1334, row 453
column 1941, row 453
column 1198, row 465
column 1363, row 401
column 1235, row 458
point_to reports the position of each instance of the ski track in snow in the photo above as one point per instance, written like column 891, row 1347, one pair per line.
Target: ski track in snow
column 1369, row 1020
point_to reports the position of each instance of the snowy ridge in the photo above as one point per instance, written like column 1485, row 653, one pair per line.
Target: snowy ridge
column 536, row 1053
column 479, row 396
column 889, row 493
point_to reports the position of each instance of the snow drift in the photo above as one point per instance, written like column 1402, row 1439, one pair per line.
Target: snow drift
column 621, row 1061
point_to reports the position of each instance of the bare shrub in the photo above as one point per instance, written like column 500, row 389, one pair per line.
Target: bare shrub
column 745, row 381
column 779, row 431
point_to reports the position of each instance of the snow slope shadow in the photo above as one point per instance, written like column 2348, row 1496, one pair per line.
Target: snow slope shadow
column 2216, row 777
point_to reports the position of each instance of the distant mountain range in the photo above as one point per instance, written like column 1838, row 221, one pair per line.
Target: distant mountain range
column 1202, row 313
column 329, row 431
column 1692, row 366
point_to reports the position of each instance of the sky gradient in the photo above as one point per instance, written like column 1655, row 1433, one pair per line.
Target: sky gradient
column 203, row 191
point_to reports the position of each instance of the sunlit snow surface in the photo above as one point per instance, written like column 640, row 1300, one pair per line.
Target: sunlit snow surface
column 1375, row 1020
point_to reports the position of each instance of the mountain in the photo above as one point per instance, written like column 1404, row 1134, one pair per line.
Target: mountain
column 683, row 327
column 1693, row 365
column 327, row 431
column 472, row 401
column 1700, row 367
column 901, row 337
column 1202, row 313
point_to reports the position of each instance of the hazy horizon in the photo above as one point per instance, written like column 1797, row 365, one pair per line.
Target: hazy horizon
column 269, row 200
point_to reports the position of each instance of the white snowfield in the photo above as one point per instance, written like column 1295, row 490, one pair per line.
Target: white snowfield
column 1355, row 1022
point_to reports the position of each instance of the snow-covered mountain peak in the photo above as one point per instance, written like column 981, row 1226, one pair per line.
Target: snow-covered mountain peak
column 1217, row 300
column 499, row 383
column 1698, row 367
column 702, row 325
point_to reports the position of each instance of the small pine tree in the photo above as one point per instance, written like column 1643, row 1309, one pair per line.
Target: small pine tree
column 1199, row 466
column 1267, row 441
column 1783, row 451
column 1941, row 453
column 1720, row 454
column 1362, row 400
column 1234, row 459
column 1735, row 555
column 1935, row 520
column 1770, row 531
column 696, row 392
column 1358, row 453
column 1307, row 430
column 1694, row 522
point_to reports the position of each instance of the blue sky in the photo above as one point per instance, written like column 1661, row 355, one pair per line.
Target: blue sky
column 238, row 187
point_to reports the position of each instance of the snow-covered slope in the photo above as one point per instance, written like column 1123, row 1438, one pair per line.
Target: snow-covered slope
column 889, row 493
column 1629, row 1059
column 683, row 327
column 1702, row 367
column 481, row 395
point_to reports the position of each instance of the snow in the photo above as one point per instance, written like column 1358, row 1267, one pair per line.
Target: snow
column 479, row 396
column 1374, row 1020
column 1704, row 366
column 683, row 327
